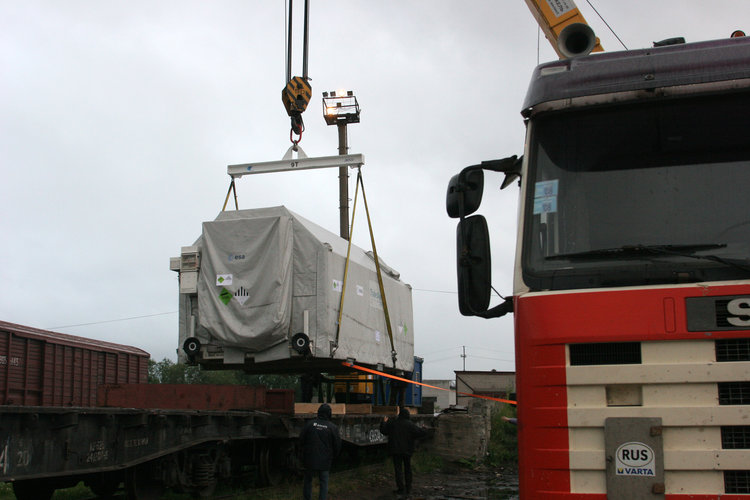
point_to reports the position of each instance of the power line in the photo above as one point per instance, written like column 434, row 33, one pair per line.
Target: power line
column 438, row 360
column 439, row 350
column 111, row 320
column 433, row 291
column 471, row 356
column 492, row 359
column 487, row 349
column 606, row 24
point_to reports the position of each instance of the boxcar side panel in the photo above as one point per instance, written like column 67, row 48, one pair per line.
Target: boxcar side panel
column 42, row 368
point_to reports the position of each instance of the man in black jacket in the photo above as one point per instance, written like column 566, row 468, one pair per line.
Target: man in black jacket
column 402, row 433
column 321, row 443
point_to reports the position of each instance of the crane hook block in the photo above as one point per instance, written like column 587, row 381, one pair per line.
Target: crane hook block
column 296, row 95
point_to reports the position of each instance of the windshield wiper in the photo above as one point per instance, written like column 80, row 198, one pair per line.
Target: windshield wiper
column 650, row 250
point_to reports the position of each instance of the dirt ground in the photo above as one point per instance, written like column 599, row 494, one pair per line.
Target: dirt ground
column 451, row 482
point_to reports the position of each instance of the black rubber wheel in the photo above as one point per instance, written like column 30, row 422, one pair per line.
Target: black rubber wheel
column 301, row 343
column 191, row 346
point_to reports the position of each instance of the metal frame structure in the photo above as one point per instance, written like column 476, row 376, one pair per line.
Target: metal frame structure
column 351, row 160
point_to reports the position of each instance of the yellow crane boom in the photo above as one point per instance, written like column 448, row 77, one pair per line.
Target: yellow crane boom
column 565, row 27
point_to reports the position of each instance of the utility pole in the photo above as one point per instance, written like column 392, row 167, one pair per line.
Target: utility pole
column 464, row 356
column 343, row 183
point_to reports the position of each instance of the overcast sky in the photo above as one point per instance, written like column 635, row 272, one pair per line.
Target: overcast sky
column 118, row 120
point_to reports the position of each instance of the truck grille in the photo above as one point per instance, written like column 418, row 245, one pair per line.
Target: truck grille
column 734, row 393
column 737, row 481
column 703, row 405
column 735, row 437
column 733, row 350
column 605, row 353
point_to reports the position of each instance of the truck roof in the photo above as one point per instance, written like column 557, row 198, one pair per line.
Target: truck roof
column 641, row 69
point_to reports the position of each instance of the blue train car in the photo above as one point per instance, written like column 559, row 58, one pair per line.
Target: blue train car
column 412, row 392
column 413, row 395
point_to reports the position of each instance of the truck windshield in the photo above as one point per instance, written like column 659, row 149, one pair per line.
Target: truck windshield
column 639, row 194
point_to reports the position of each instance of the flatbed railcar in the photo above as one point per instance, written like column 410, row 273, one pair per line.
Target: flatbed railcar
column 189, row 447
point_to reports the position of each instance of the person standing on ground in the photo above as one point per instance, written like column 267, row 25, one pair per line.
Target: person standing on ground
column 321, row 443
column 402, row 433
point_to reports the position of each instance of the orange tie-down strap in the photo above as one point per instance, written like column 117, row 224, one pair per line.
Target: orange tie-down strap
column 376, row 372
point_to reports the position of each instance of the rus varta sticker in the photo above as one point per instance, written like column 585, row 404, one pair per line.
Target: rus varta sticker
column 635, row 459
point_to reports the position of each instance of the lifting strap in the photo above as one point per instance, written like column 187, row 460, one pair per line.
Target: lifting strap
column 232, row 189
column 360, row 182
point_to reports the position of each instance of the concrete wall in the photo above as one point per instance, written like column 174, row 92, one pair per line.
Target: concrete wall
column 464, row 435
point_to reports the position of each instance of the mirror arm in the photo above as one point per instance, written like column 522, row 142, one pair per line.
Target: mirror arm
column 499, row 310
column 510, row 166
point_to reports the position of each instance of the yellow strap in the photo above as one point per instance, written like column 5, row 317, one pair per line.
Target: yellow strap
column 346, row 268
column 360, row 181
column 377, row 268
column 231, row 190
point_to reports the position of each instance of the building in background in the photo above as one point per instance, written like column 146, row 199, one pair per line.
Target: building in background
column 493, row 383
column 442, row 398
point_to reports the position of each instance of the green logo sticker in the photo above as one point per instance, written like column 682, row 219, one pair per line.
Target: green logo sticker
column 225, row 296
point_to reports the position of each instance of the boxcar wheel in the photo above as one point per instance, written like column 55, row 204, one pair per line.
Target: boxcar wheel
column 270, row 470
column 104, row 485
column 141, row 484
column 33, row 489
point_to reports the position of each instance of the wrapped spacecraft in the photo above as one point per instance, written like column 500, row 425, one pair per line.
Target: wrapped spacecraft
column 261, row 290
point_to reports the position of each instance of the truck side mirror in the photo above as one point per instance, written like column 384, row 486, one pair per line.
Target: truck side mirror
column 464, row 193
column 474, row 266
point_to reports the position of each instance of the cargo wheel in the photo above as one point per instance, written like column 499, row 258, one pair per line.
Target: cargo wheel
column 301, row 343
column 191, row 346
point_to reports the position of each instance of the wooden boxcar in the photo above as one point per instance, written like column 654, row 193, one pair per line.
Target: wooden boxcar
column 43, row 368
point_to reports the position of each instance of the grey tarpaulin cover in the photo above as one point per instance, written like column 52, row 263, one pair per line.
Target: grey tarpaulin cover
column 267, row 274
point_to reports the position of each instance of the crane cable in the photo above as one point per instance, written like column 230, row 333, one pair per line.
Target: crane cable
column 360, row 182
column 297, row 91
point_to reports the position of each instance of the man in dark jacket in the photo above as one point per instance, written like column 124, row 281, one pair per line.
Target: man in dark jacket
column 402, row 433
column 321, row 443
